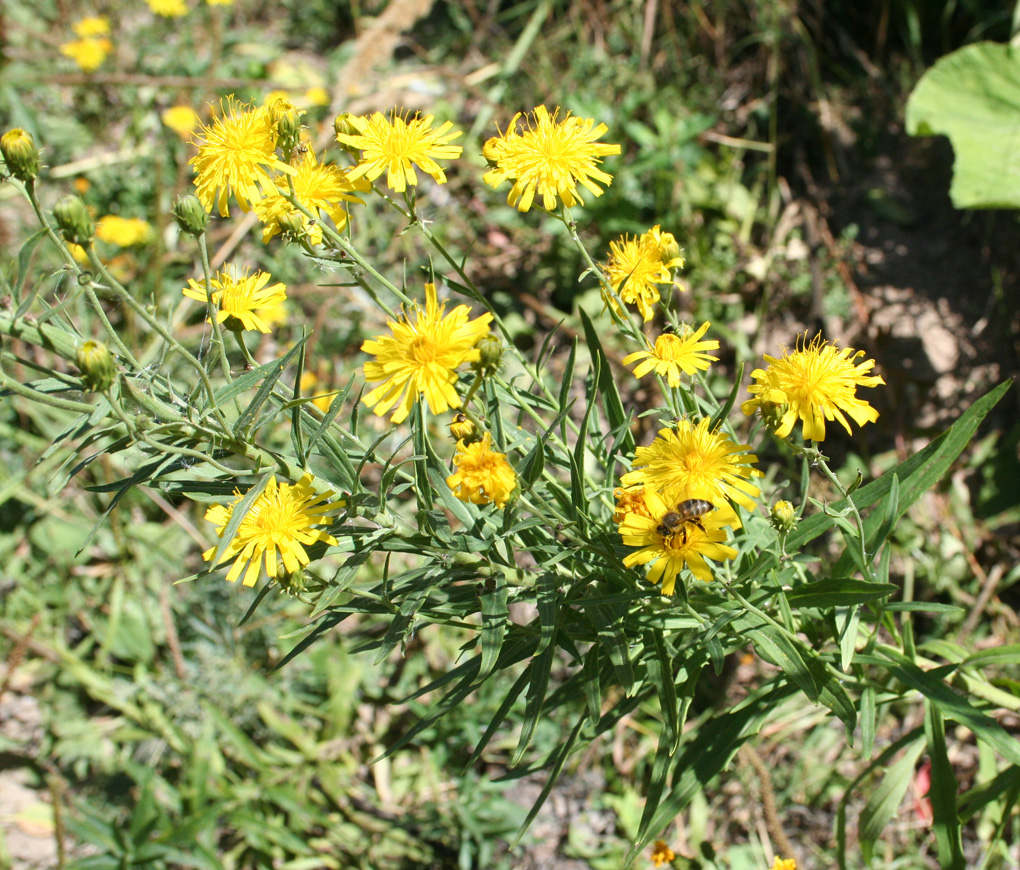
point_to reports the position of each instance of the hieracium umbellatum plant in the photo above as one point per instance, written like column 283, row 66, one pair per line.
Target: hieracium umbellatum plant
column 453, row 475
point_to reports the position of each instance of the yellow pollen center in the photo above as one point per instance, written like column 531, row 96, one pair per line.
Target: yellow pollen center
column 422, row 350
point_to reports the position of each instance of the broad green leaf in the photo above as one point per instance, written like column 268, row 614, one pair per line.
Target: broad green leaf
column 973, row 97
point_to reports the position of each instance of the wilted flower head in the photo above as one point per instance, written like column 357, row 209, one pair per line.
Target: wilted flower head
column 548, row 159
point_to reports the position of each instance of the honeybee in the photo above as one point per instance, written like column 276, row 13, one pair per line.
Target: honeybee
column 689, row 511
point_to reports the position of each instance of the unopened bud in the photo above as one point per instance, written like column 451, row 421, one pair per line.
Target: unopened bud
column 98, row 369
column 292, row 224
column 190, row 215
column 287, row 120
column 783, row 517
column 20, row 154
column 462, row 429
column 76, row 225
column 668, row 246
column 490, row 354
column 343, row 127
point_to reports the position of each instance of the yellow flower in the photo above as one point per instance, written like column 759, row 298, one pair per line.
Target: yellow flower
column 396, row 145
column 784, row 864
column 220, row 2
column 629, row 500
column 693, row 462
column 637, row 265
column 550, row 158
column 686, row 544
column 183, row 120
column 94, row 25
column 241, row 298
column 123, row 232
column 322, row 401
column 421, row 358
column 316, row 186
column 168, row 8
column 673, row 354
column 282, row 518
column 316, row 96
column 234, row 152
column 815, row 383
column 482, row 476
column 89, row 53
column 661, row 853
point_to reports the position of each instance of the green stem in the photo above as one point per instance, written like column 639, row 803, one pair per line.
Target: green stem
column 211, row 312
column 16, row 386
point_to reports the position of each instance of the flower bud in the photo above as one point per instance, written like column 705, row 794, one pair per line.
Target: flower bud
column 287, row 120
column 76, row 225
column 343, row 127
column 783, row 517
column 462, row 429
column 191, row 217
column 668, row 247
column 20, row 154
column 293, row 224
column 98, row 369
column 490, row 354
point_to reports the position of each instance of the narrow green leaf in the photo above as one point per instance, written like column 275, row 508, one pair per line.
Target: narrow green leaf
column 590, row 680
column 533, row 465
column 838, row 592
column 942, row 793
column 868, row 719
column 848, row 638
column 540, row 668
column 495, row 615
column 607, row 385
column 777, row 649
column 660, row 674
column 724, row 412
column 885, row 800
column 568, row 376
column 24, row 270
column 613, row 640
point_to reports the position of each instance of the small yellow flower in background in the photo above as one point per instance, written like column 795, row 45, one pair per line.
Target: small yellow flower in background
column 88, row 53
column 183, row 120
column 661, row 853
column 317, row 96
column 421, row 358
column 549, row 159
column 688, row 544
column 234, row 153
column 309, row 381
column 168, row 8
column 784, row 864
column 282, row 518
column 316, row 186
column 396, row 144
column 219, row 2
column 483, row 476
column 94, row 25
column 636, row 265
column 123, row 232
column 82, row 184
column 692, row 462
column 241, row 298
column 815, row 383
column 79, row 253
column 673, row 354
column 629, row 500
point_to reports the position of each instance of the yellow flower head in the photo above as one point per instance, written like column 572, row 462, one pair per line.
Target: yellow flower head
column 220, row 2
column 282, row 518
column 94, row 25
column 693, row 462
column 784, row 864
column 421, row 358
column 396, row 144
column 637, row 265
column 317, row 96
column 815, row 383
column 629, row 500
column 234, row 153
column 671, row 547
column 168, row 8
column 241, row 298
column 322, row 401
column 482, row 476
column 88, row 53
column 123, row 232
column 661, row 853
column 673, row 354
column 549, row 158
column 183, row 120
column 316, row 186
